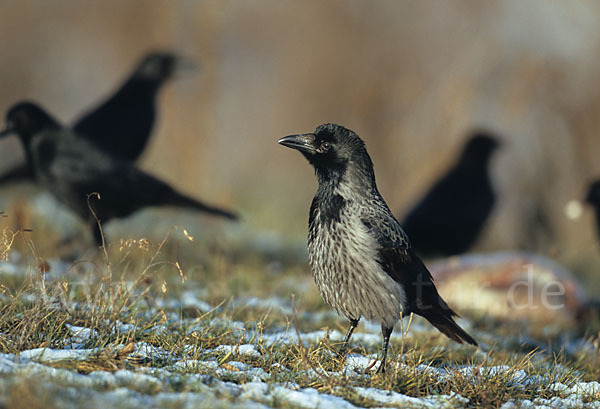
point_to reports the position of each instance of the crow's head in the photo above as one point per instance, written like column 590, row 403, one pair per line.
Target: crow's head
column 479, row 147
column 158, row 67
column 593, row 194
column 331, row 149
column 25, row 119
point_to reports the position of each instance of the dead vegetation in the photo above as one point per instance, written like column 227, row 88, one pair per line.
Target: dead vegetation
column 131, row 296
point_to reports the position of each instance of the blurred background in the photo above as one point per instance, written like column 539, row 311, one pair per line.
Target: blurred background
column 412, row 78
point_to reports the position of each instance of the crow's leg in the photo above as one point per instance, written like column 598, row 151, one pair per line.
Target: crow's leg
column 353, row 325
column 386, row 332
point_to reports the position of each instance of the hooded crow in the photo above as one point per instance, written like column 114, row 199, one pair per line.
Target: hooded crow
column 71, row 168
column 361, row 259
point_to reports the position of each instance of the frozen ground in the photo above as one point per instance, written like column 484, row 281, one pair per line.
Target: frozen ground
column 159, row 354
column 183, row 382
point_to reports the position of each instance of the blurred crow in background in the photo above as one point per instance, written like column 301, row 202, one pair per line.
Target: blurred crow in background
column 451, row 215
column 361, row 259
column 593, row 198
column 71, row 168
column 122, row 125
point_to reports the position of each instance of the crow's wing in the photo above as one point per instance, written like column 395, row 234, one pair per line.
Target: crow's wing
column 396, row 256
column 71, row 168
column 75, row 168
column 122, row 125
column 400, row 262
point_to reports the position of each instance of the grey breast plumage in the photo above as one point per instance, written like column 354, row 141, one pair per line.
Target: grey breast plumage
column 344, row 257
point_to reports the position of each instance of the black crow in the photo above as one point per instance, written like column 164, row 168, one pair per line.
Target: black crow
column 361, row 259
column 71, row 168
column 450, row 216
column 122, row 125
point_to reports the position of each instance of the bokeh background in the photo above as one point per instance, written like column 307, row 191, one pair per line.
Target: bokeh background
column 413, row 78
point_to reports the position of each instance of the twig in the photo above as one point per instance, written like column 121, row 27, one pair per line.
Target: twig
column 323, row 376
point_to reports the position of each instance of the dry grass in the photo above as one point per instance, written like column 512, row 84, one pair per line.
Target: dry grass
column 124, row 286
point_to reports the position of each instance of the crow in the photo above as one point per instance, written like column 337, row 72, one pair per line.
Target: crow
column 361, row 259
column 122, row 125
column 593, row 198
column 451, row 215
column 71, row 168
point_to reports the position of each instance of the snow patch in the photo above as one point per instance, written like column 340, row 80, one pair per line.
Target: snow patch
column 53, row 355
column 245, row 349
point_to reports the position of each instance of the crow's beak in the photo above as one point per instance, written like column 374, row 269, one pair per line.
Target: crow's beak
column 303, row 142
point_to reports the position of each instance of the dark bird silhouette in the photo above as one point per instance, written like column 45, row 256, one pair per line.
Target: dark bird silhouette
column 451, row 215
column 71, row 168
column 361, row 259
column 593, row 198
column 122, row 125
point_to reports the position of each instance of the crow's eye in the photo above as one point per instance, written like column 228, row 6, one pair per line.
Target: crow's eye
column 324, row 147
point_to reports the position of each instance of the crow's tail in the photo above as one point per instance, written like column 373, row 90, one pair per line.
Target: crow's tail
column 185, row 201
column 444, row 322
